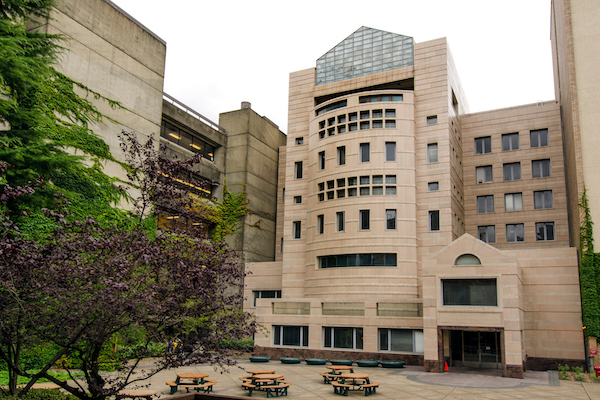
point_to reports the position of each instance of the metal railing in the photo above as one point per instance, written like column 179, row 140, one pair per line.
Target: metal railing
column 194, row 113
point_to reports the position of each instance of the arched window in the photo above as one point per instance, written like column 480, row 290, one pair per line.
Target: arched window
column 467, row 259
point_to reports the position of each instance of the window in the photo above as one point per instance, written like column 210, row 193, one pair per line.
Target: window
column 364, row 219
column 365, row 114
column 341, row 129
column 299, row 141
column 390, row 190
column 510, row 141
column 365, row 152
column 332, row 106
column 377, row 114
column 377, row 98
column 341, row 182
column 543, row 199
column 298, row 169
column 343, row 338
column 470, row 292
column 432, row 153
column 390, row 151
column 390, row 113
column 358, row 260
column 513, row 202
column 290, row 335
column 321, row 160
column 544, row 231
column 265, row 294
column 297, row 199
column 353, row 127
column 433, row 186
column 377, row 124
column 512, row 171
column 320, row 224
column 515, row 233
column 484, row 174
column 340, row 218
column 341, row 155
column 539, row 138
column 390, row 219
column 485, row 204
column 487, row 233
column 341, row 119
column 390, row 123
column 390, row 179
column 432, row 120
column 540, row 168
column 404, row 340
column 352, row 181
column 483, row 145
column 434, row 220
column 353, row 116
column 297, row 229
column 187, row 140
column 365, row 125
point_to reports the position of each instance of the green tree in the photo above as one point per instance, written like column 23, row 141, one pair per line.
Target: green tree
column 47, row 136
column 589, row 272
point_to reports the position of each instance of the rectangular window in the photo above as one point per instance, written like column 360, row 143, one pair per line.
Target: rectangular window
column 433, row 186
column 365, row 124
column 390, row 151
column 485, row 204
column 512, row 171
column 515, row 233
column 401, row 340
column 390, row 113
column 484, row 174
column 539, row 138
column 544, row 231
column 341, row 155
column 353, row 127
column 432, row 153
column 377, row 179
column 434, row 220
column 365, row 152
column 299, row 141
column 320, row 224
column 390, row 190
column 321, row 160
column 432, row 120
column 265, row 294
column 358, row 260
column 341, row 129
column 298, row 169
column 543, row 199
column 377, row 114
column 470, row 292
column 341, row 193
column 540, row 168
column 297, row 199
column 297, row 229
column 487, row 233
column 364, row 219
column 390, row 219
column 483, row 145
column 510, row 141
column 343, row 338
column 353, row 116
column 513, row 202
column 290, row 335
column 352, row 181
column 390, row 179
column 390, row 123
column 377, row 124
column 352, row 192
column 365, row 114
column 340, row 221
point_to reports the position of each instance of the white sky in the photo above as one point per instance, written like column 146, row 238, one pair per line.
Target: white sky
column 223, row 52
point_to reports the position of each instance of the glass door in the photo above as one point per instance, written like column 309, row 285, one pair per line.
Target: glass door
column 481, row 349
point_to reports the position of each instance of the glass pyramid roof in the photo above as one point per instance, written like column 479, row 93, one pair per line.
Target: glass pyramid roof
column 367, row 51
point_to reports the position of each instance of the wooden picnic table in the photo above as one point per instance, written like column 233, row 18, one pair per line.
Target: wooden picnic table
column 354, row 376
column 338, row 368
column 271, row 377
column 261, row 371
column 196, row 377
column 135, row 393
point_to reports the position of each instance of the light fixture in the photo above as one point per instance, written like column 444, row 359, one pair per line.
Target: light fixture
column 174, row 135
column 195, row 146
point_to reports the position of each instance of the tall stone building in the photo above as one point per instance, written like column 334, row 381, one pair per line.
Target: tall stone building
column 411, row 229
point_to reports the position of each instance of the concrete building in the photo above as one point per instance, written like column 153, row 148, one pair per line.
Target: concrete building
column 115, row 55
column 576, row 55
column 410, row 229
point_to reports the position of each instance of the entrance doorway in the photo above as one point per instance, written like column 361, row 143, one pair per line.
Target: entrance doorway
column 476, row 349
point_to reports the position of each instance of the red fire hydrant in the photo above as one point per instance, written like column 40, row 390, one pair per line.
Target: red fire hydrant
column 597, row 369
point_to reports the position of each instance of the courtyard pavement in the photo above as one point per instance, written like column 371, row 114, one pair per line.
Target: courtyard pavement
column 394, row 383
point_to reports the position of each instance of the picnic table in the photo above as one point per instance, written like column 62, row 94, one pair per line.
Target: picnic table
column 268, row 381
column 135, row 393
column 192, row 380
column 354, row 381
column 334, row 372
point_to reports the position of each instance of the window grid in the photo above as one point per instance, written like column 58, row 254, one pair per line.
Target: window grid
column 377, row 119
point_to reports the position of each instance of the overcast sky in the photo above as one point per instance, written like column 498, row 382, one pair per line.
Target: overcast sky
column 223, row 52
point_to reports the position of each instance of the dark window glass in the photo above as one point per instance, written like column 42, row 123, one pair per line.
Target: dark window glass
column 470, row 292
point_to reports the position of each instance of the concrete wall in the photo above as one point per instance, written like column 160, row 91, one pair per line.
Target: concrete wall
column 252, row 165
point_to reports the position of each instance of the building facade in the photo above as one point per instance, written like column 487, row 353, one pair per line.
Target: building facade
column 113, row 54
column 410, row 229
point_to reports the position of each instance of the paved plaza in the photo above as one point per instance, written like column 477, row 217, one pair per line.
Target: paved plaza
column 405, row 383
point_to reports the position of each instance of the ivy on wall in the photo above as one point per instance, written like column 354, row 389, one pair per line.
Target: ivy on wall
column 589, row 272
column 227, row 215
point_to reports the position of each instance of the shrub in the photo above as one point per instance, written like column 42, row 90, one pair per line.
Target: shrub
column 40, row 394
column 578, row 370
column 579, row 377
column 565, row 376
column 563, row 368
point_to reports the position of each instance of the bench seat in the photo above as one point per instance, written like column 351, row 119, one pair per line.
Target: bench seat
column 277, row 390
column 370, row 388
column 341, row 388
